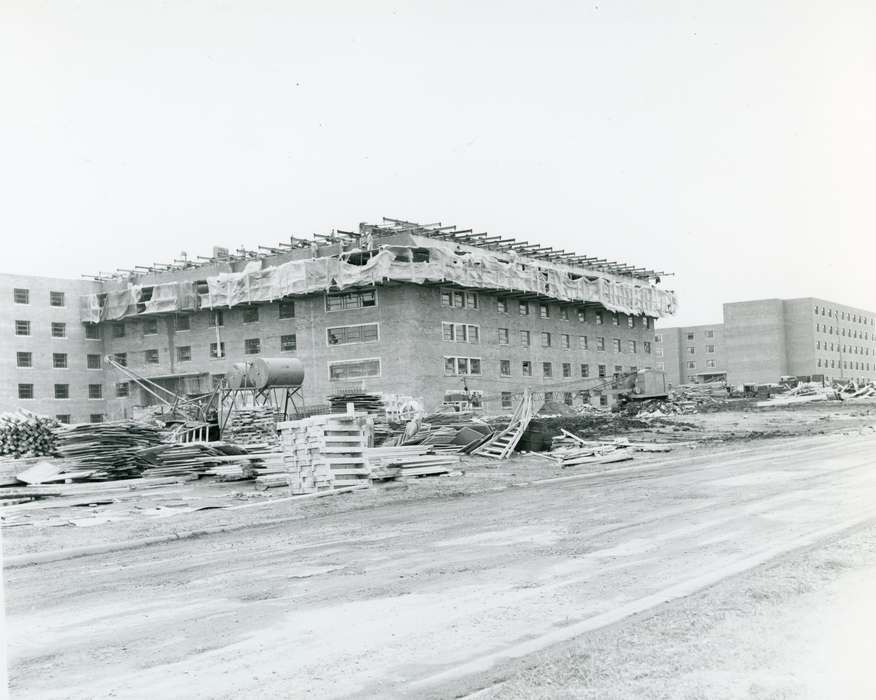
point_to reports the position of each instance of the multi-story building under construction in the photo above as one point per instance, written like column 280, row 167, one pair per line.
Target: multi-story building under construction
column 430, row 312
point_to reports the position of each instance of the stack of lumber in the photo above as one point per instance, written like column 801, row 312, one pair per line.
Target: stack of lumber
column 363, row 403
column 229, row 462
column 572, row 451
column 415, row 460
column 112, row 449
column 248, row 425
column 25, row 434
column 319, row 453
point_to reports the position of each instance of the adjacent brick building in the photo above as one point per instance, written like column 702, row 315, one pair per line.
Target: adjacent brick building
column 436, row 314
column 760, row 341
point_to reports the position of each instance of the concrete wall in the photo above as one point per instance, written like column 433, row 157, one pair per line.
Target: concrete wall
column 754, row 333
column 841, row 341
column 40, row 343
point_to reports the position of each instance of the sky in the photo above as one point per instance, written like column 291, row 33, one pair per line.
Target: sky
column 732, row 144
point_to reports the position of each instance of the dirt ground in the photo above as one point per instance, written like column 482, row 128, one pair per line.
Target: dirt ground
column 704, row 572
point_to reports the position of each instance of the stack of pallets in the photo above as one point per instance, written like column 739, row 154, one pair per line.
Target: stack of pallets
column 250, row 425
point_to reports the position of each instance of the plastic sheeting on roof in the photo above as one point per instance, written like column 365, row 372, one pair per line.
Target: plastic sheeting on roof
column 475, row 268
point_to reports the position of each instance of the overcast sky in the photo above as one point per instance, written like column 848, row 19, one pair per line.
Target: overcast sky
column 731, row 143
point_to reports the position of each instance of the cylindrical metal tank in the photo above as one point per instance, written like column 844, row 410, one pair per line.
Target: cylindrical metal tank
column 266, row 372
column 237, row 377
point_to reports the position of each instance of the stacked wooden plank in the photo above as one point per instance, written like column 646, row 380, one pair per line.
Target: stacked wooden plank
column 363, row 403
column 111, row 449
column 181, row 459
column 409, row 461
column 26, row 434
column 248, row 425
column 343, row 450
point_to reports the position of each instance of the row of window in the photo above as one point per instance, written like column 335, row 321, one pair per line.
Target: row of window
column 471, row 366
column 60, row 360
column 852, row 333
column 22, row 296
column 692, row 364
column 92, row 418
column 850, row 349
column 691, row 350
column 58, row 330
column 844, row 364
column 467, row 333
column 62, row 391
column 470, row 300
column 845, row 316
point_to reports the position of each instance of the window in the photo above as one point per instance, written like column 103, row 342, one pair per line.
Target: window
column 446, row 298
column 506, row 399
column 564, row 313
column 505, row 368
column 184, row 353
column 544, row 311
column 252, row 346
column 617, row 344
column 121, row 358
column 351, row 300
column 600, row 343
column 585, row 371
column 658, row 338
column 567, row 369
column 96, row 418
column 711, row 364
column 710, row 348
column 59, row 330
column 62, row 391
column 150, row 326
column 92, row 361
column 216, row 319
column 523, row 307
column 63, row 418
column 182, row 323
column 603, row 400
column 56, row 298
column 21, row 296
column 25, row 391
column 691, row 350
column 598, row 318
column 581, row 315
column 632, row 346
column 122, row 390
column 354, row 369
column 23, row 359
column 287, row 309
column 582, row 342
column 447, row 332
column 95, row 391
column 564, row 341
column 691, row 364
column 59, row 360
column 526, row 368
column 631, row 321
column 92, row 331
column 658, row 352
column 547, row 369
column 646, row 346
column 150, row 357
column 601, row 371
column 217, row 350
column 545, row 339
column 524, row 338
column 250, row 314
column 348, row 335
column 690, row 336
column 288, row 343
column 462, row 365
column 710, row 334
column 471, row 300
column 473, row 334
column 618, row 371
column 118, row 330
column 502, row 306
column 503, row 336
column 615, row 319
column 22, row 328
column 661, row 366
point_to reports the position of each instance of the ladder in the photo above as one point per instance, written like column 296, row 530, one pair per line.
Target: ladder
column 500, row 446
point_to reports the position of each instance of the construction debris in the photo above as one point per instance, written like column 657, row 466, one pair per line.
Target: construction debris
column 501, row 445
column 112, row 449
column 414, row 460
column 250, row 425
column 26, row 434
column 802, row 393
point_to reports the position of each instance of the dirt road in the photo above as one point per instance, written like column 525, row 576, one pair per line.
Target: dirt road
column 425, row 598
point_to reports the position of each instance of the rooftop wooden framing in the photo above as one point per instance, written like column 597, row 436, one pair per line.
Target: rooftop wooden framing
column 391, row 226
